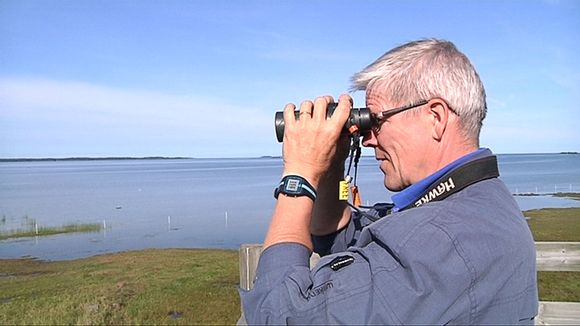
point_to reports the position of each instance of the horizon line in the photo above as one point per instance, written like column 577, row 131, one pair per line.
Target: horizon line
column 160, row 157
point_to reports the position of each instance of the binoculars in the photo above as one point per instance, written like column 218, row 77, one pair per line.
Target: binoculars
column 359, row 117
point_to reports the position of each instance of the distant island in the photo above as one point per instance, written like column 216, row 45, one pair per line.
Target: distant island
column 127, row 158
column 90, row 159
column 269, row 156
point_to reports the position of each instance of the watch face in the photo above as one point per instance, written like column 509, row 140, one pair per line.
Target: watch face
column 293, row 185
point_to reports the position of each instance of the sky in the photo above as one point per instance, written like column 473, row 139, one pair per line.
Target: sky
column 204, row 78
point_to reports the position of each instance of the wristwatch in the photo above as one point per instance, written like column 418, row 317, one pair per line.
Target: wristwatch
column 295, row 186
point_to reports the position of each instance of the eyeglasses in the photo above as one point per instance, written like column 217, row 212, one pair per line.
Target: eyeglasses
column 384, row 115
column 378, row 118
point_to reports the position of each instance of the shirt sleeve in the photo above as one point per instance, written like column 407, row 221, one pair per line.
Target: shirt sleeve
column 374, row 284
column 286, row 291
column 347, row 236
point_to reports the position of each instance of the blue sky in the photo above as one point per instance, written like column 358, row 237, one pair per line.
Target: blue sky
column 204, row 78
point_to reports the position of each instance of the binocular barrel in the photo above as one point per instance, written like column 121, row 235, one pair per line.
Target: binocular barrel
column 361, row 117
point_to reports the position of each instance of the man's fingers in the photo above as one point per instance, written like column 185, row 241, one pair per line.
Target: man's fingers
column 289, row 118
column 320, row 107
column 346, row 97
column 316, row 112
column 342, row 111
column 306, row 108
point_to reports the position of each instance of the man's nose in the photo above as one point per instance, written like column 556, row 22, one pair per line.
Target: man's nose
column 369, row 139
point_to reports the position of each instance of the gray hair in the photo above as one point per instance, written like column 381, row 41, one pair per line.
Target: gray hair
column 425, row 69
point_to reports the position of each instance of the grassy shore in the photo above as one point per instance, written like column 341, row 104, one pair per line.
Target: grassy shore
column 569, row 195
column 550, row 224
column 172, row 286
column 185, row 286
column 31, row 231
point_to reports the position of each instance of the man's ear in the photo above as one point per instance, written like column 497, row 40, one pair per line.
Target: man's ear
column 439, row 115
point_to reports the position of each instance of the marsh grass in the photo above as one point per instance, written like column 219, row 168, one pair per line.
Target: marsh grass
column 569, row 195
column 29, row 228
column 51, row 230
column 554, row 224
column 170, row 286
column 559, row 286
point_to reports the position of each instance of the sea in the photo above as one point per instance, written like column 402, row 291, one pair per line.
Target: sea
column 197, row 203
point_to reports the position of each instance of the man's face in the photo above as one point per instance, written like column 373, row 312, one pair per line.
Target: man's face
column 398, row 141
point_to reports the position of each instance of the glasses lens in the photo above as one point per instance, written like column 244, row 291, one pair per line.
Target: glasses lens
column 375, row 124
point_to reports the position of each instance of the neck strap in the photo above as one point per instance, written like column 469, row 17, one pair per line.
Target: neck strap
column 450, row 183
column 457, row 180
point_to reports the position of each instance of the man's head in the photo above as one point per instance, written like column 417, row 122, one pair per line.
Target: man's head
column 416, row 142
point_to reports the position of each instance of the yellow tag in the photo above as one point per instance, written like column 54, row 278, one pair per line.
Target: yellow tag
column 343, row 190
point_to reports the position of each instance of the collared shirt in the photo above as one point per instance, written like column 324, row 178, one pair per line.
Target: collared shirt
column 411, row 193
column 468, row 259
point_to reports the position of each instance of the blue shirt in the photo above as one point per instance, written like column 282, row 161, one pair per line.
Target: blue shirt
column 411, row 193
column 468, row 259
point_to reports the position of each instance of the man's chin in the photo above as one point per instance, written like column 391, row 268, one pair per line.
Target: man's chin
column 392, row 186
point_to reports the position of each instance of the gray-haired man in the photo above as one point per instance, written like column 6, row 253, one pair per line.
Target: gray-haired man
column 455, row 247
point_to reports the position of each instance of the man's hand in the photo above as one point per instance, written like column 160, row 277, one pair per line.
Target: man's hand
column 311, row 149
column 311, row 143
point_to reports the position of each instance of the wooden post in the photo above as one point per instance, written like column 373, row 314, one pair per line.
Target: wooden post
column 249, row 257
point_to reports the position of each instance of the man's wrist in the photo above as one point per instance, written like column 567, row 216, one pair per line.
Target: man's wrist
column 312, row 178
column 295, row 186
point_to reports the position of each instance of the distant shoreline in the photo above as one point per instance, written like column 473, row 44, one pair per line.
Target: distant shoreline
column 114, row 158
column 122, row 158
column 127, row 158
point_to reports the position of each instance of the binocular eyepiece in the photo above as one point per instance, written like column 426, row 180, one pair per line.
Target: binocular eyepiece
column 359, row 117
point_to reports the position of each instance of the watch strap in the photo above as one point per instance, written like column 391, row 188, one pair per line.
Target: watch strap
column 295, row 186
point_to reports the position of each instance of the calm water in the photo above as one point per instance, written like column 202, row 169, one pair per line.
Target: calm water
column 210, row 203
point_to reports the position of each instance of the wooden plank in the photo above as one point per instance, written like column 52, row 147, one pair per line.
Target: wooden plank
column 249, row 257
column 558, row 256
column 558, row 313
column 314, row 258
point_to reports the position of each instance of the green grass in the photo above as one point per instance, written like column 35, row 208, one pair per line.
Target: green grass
column 559, row 286
column 555, row 224
column 50, row 230
column 28, row 227
column 171, row 286
column 570, row 195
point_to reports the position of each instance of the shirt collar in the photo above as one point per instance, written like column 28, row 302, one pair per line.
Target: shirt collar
column 411, row 193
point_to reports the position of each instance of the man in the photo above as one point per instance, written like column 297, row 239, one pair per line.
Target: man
column 455, row 247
